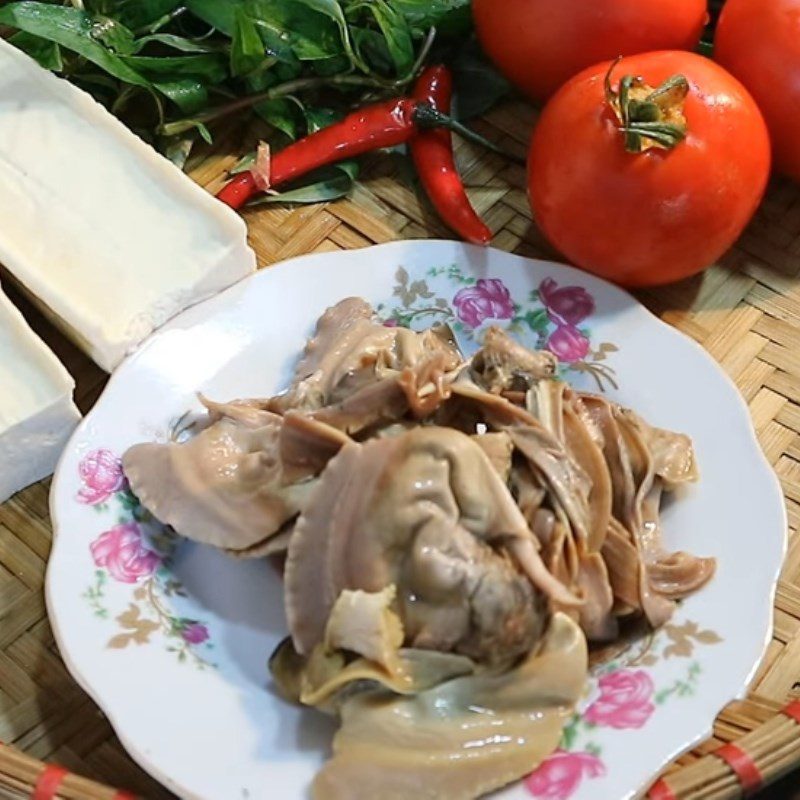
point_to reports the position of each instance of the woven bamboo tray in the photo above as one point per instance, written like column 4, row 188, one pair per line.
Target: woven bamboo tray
column 744, row 311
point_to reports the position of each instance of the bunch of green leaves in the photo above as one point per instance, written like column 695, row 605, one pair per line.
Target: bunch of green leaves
column 176, row 70
column 203, row 59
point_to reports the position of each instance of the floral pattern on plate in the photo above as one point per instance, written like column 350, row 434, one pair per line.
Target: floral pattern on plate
column 622, row 696
column 136, row 551
column 554, row 318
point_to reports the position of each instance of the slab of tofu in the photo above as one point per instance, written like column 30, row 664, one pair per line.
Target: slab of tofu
column 106, row 234
column 37, row 413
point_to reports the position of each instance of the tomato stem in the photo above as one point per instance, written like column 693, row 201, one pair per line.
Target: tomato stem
column 649, row 118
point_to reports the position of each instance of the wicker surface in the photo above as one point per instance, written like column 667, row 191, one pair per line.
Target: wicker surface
column 745, row 312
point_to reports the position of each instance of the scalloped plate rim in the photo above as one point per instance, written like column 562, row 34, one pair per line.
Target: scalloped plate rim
column 133, row 749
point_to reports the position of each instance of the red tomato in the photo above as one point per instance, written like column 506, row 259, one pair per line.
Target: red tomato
column 759, row 42
column 540, row 44
column 656, row 216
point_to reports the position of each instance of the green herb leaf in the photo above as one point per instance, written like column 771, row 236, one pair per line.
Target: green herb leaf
column 137, row 14
column 219, row 14
column 282, row 113
column 189, row 94
column 447, row 16
column 373, row 49
column 277, row 45
column 48, row 54
column 397, row 34
column 72, row 29
column 114, row 35
column 185, row 126
column 311, row 36
column 180, row 43
column 205, row 133
column 319, row 118
column 332, row 67
column 207, row 65
column 178, row 149
column 243, row 164
column 325, row 185
column 330, row 8
column 247, row 49
column 262, row 79
column 333, row 10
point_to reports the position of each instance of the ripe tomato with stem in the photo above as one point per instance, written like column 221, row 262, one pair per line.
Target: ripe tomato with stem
column 646, row 170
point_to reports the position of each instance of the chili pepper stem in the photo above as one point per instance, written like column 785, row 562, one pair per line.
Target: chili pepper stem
column 426, row 116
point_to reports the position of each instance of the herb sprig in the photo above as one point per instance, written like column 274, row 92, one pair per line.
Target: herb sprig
column 174, row 70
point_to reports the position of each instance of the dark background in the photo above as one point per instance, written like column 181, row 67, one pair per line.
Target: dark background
column 787, row 789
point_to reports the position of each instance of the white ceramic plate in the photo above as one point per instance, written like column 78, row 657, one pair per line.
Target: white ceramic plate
column 172, row 639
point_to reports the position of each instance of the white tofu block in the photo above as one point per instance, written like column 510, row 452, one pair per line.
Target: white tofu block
column 107, row 234
column 37, row 414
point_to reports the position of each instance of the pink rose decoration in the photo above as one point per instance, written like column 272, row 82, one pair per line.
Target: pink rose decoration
column 194, row 633
column 567, row 305
column 568, row 344
column 487, row 299
column 123, row 553
column 624, row 700
column 560, row 776
column 101, row 475
column 390, row 323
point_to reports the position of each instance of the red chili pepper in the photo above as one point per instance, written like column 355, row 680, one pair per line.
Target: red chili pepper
column 432, row 151
column 384, row 125
column 238, row 190
column 380, row 125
